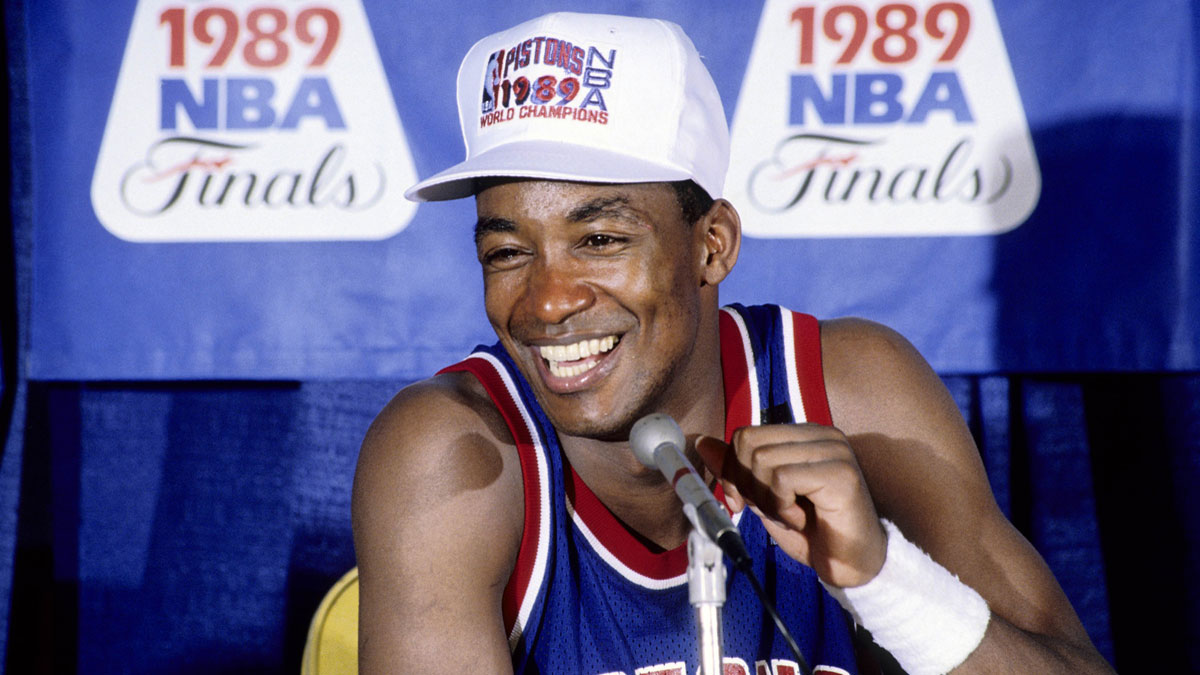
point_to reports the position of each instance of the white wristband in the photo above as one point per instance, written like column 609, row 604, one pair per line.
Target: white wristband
column 916, row 609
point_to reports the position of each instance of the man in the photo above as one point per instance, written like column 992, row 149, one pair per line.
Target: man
column 501, row 521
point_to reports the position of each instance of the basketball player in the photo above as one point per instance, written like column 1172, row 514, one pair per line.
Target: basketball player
column 502, row 523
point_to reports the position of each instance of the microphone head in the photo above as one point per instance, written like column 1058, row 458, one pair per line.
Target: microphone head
column 652, row 431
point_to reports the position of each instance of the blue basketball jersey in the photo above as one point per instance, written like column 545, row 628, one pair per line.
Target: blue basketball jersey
column 587, row 597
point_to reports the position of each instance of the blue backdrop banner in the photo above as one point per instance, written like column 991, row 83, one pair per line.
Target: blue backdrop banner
column 218, row 185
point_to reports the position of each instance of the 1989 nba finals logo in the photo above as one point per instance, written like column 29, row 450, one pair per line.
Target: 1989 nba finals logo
column 242, row 120
column 877, row 118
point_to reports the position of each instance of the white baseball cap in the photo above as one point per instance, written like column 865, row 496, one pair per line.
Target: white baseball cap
column 586, row 97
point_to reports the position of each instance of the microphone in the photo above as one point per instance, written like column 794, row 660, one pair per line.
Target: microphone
column 658, row 443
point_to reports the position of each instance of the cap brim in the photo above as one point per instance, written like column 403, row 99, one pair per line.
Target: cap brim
column 551, row 160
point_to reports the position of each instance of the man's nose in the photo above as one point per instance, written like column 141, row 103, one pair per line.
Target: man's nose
column 557, row 290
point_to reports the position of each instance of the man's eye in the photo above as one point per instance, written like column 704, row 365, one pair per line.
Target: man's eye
column 600, row 240
column 501, row 256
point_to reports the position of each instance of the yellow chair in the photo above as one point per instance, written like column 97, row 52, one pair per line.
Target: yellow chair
column 332, row 644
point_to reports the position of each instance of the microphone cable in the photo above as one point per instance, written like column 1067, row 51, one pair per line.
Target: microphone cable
column 743, row 565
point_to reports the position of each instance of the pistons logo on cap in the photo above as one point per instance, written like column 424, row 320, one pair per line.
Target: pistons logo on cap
column 547, row 72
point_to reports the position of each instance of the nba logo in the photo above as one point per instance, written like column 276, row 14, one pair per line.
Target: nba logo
column 491, row 81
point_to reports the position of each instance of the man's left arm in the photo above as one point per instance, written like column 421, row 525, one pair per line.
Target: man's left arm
column 901, row 451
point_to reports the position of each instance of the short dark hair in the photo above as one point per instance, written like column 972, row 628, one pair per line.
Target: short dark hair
column 694, row 202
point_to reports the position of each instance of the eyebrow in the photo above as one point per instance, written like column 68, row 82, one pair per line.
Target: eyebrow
column 488, row 225
column 601, row 207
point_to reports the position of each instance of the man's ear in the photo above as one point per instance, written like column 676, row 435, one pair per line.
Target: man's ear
column 721, row 229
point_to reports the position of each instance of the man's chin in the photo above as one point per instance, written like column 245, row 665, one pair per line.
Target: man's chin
column 590, row 413
column 601, row 415
column 609, row 428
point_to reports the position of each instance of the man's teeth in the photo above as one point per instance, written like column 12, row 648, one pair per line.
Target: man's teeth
column 557, row 354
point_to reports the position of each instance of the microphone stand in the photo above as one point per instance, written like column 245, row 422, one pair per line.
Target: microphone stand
column 706, row 592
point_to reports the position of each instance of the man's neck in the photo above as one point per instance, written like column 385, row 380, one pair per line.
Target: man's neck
column 640, row 497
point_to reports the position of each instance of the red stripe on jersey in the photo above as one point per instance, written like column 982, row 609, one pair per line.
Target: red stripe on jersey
column 809, row 374
column 736, row 377
column 617, row 540
column 518, row 583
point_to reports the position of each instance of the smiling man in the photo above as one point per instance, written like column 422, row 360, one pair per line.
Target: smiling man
column 502, row 523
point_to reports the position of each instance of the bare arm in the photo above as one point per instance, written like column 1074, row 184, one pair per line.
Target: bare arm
column 925, row 474
column 437, row 513
column 901, row 450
